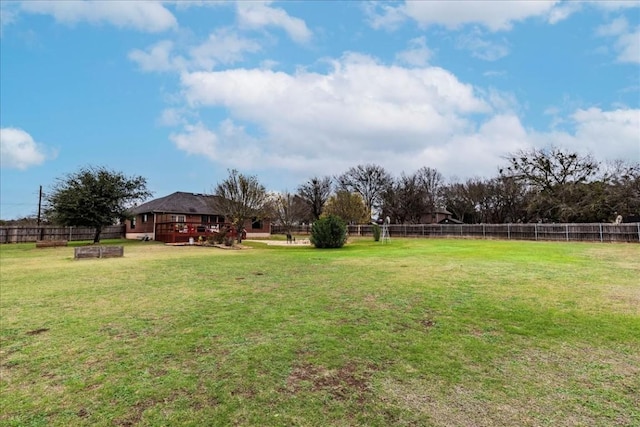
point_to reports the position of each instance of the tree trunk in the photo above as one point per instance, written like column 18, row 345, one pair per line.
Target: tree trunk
column 96, row 237
column 239, row 233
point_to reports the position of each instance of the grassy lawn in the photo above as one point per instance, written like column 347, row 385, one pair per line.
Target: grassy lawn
column 414, row 332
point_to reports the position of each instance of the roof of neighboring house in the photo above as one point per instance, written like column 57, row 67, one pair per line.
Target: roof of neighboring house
column 450, row 221
column 442, row 211
column 179, row 203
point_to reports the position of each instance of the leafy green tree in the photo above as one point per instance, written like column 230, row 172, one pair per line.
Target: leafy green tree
column 94, row 197
column 329, row 232
column 375, row 228
column 240, row 198
column 347, row 206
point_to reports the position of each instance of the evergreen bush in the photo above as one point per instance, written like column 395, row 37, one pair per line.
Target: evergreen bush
column 329, row 232
column 376, row 233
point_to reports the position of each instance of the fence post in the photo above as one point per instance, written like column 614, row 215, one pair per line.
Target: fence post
column 566, row 227
column 535, row 227
column 600, row 232
column 509, row 231
column 639, row 232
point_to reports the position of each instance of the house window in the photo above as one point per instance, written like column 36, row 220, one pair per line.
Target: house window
column 178, row 218
column 212, row 219
column 256, row 224
column 133, row 223
column 145, row 218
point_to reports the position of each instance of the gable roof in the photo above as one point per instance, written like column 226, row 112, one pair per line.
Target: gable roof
column 179, row 203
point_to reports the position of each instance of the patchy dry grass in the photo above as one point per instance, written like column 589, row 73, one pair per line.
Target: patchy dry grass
column 416, row 332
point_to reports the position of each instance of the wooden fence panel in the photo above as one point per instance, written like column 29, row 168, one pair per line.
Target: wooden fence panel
column 24, row 234
column 599, row 232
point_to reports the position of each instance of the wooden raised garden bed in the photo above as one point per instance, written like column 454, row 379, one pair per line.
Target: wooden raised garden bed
column 84, row 252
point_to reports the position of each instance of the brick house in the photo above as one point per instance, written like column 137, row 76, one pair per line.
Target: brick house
column 180, row 216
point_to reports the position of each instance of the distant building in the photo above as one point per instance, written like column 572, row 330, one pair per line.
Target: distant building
column 439, row 216
column 180, row 216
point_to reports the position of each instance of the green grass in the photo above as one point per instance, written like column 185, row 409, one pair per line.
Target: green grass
column 414, row 332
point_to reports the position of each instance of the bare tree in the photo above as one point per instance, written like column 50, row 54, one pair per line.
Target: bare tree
column 315, row 194
column 370, row 181
column 240, row 198
column 547, row 169
column 622, row 179
column 403, row 200
column 553, row 175
column 431, row 183
column 287, row 209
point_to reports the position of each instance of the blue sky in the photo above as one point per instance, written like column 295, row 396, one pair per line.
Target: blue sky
column 179, row 92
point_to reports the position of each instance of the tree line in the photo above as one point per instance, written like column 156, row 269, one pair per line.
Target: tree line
column 535, row 185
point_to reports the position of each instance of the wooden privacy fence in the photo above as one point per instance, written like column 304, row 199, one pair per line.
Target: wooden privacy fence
column 598, row 232
column 23, row 234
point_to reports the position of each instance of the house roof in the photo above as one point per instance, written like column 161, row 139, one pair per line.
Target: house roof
column 179, row 203
column 450, row 221
column 442, row 211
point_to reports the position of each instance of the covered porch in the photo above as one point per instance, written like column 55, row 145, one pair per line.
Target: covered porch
column 182, row 232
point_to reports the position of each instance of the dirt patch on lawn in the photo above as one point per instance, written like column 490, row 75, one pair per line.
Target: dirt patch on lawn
column 351, row 381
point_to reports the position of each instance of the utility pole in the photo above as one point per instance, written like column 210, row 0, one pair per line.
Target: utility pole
column 40, row 230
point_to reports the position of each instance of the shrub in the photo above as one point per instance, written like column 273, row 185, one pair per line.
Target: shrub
column 219, row 237
column 376, row 232
column 329, row 232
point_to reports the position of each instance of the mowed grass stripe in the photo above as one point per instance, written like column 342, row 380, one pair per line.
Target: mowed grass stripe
column 414, row 332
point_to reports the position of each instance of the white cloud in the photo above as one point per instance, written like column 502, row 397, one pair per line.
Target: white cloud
column 157, row 57
column 363, row 111
column 628, row 47
column 229, row 144
column 481, row 48
column 627, row 43
column 608, row 134
column 614, row 28
column 221, row 47
column 384, row 16
column 562, row 11
column 148, row 16
column 357, row 87
column 614, row 5
column 478, row 152
column 18, row 149
column 418, row 54
column 197, row 140
column 493, row 15
column 259, row 14
column 453, row 14
column 358, row 110
column 8, row 14
column 171, row 117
